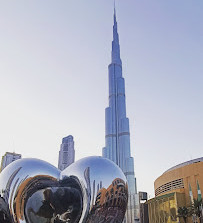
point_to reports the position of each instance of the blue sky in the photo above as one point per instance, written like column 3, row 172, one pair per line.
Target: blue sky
column 54, row 58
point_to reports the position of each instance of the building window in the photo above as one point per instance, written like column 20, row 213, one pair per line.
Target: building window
column 175, row 184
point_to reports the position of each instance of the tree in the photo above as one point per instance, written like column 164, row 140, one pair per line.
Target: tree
column 197, row 208
column 183, row 212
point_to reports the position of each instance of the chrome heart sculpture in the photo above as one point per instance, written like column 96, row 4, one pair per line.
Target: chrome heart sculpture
column 91, row 190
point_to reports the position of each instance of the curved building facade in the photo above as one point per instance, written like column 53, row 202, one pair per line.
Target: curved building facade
column 184, row 178
column 176, row 187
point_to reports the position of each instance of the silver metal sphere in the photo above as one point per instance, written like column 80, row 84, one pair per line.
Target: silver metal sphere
column 90, row 190
column 104, row 186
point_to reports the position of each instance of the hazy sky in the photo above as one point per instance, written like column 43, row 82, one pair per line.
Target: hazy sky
column 54, row 57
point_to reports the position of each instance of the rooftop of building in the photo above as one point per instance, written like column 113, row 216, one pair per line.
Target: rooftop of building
column 12, row 153
column 67, row 139
column 185, row 164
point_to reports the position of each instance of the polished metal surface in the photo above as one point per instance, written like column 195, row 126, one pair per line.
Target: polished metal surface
column 104, row 189
column 90, row 190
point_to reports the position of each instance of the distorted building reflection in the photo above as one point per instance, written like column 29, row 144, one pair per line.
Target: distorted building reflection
column 110, row 204
column 25, row 190
column 34, row 191
column 104, row 186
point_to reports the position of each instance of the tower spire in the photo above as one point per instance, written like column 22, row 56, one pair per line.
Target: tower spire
column 115, row 43
column 117, row 132
column 114, row 11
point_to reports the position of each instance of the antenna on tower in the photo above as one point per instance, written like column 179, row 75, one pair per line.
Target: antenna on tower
column 114, row 6
column 114, row 11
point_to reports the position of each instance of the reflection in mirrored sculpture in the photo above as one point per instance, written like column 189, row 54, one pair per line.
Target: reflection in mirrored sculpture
column 91, row 190
column 104, row 186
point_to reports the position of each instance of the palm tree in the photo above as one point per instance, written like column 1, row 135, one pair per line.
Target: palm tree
column 197, row 208
column 183, row 212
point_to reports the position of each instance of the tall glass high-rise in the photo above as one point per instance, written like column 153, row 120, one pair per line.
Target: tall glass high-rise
column 66, row 153
column 117, row 133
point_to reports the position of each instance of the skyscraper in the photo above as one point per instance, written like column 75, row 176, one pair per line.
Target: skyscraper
column 117, row 133
column 66, row 153
column 9, row 158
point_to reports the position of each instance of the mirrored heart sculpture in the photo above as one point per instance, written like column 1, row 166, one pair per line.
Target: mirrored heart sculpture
column 91, row 190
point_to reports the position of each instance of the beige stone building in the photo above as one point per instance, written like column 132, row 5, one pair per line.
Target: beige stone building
column 177, row 187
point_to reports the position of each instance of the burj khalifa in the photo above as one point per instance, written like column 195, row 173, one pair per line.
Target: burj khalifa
column 117, row 133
